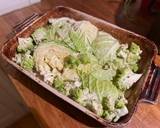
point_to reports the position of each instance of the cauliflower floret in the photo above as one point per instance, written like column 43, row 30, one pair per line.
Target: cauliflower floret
column 17, row 58
column 44, row 68
column 25, row 44
column 68, row 86
column 123, row 51
column 77, row 83
column 51, row 75
column 48, row 73
column 88, row 96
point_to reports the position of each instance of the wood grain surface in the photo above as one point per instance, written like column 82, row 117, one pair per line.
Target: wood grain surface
column 50, row 111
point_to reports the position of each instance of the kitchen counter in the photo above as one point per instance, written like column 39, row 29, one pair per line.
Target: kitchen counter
column 49, row 110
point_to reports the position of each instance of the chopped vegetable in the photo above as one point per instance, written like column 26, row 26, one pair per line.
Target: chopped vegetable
column 126, row 78
column 71, row 61
column 39, row 35
column 59, row 85
column 50, row 54
column 89, row 66
column 27, row 61
column 25, row 44
column 86, row 29
column 76, row 94
column 134, row 56
column 105, row 47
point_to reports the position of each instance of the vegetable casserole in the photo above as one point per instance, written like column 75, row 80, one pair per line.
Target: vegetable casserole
column 82, row 62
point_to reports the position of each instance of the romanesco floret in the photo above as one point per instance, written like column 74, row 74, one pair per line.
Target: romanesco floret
column 134, row 48
column 116, row 114
column 59, row 85
column 125, row 78
column 107, row 103
column 27, row 61
column 108, row 115
column 76, row 94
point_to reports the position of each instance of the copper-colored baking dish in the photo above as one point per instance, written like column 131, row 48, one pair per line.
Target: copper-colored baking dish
column 141, row 90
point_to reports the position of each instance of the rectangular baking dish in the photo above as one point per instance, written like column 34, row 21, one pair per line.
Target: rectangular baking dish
column 142, row 90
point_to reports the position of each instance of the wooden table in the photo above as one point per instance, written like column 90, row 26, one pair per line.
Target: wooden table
column 49, row 110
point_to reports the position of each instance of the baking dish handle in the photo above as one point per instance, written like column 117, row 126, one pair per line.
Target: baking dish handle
column 22, row 24
column 152, row 88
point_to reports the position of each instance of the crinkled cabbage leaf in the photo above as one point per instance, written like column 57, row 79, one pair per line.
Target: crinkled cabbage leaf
column 105, row 47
